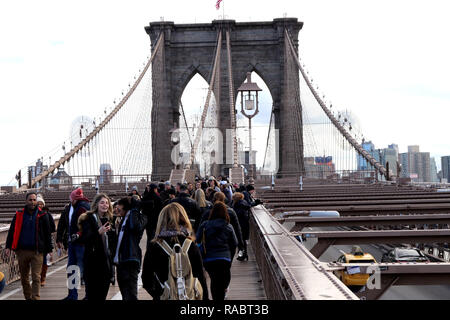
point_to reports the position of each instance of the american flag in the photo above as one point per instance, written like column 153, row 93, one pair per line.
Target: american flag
column 218, row 4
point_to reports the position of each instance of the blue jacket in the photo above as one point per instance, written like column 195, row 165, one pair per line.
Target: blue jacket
column 220, row 240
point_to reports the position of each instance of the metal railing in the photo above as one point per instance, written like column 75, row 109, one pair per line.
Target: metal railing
column 9, row 264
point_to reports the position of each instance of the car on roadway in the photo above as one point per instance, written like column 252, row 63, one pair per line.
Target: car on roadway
column 404, row 255
column 352, row 276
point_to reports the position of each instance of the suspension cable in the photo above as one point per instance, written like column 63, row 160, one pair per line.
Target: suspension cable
column 96, row 130
column 205, row 108
column 343, row 131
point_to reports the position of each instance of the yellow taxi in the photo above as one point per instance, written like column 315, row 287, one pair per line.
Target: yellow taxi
column 352, row 276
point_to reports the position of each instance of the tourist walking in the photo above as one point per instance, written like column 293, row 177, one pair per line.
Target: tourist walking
column 97, row 256
column 219, row 242
column 173, row 227
column 41, row 204
column 189, row 204
column 234, row 221
column 242, row 209
column 68, row 234
column 128, row 254
column 151, row 205
column 203, row 204
column 30, row 237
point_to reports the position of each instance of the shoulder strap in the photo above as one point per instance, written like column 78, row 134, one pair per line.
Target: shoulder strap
column 165, row 246
column 186, row 244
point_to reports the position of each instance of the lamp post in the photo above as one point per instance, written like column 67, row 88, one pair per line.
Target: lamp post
column 249, row 93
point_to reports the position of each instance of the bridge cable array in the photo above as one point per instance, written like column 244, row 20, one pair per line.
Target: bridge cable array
column 345, row 134
column 85, row 146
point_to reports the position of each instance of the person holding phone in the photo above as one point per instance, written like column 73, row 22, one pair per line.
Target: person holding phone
column 96, row 233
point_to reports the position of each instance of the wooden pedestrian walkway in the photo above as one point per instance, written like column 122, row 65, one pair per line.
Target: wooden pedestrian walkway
column 246, row 283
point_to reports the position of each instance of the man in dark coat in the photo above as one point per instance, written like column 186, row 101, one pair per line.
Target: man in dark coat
column 68, row 234
column 190, row 205
column 29, row 236
column 151, row 205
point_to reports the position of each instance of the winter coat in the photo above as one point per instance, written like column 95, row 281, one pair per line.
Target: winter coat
column 219, row 240
column 132, row 233
column 234, row 221
column 189, row 204
column 156, row 264
column 151, row 205
column 64, row 231
column 43, row 232
column 242, row 209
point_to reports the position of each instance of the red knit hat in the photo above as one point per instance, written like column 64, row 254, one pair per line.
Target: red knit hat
column 77, row 194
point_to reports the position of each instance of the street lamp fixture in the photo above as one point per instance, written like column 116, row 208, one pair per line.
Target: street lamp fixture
column 249, row 103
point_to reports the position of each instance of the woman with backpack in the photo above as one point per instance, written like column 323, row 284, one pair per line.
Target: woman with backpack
column 173, row 231
column 218, row 241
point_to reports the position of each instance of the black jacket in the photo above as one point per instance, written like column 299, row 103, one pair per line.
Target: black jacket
column 220, row 239
column 156, row 262
column 43, row 232
column 97, row 256
column 234, row 221
column 64, row 231
column 151, row 205
column 132, row 233
column 189, row 204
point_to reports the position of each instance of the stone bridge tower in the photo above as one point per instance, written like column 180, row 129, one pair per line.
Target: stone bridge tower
column 255, row 46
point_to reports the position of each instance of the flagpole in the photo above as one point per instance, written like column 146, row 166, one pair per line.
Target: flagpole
column 223, row 9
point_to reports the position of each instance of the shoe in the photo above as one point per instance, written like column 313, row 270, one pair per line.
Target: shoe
column 242, row 255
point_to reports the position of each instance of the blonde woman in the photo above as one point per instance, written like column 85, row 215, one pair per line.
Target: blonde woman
column 173, row 227
column 96, row 227
column 203, row 204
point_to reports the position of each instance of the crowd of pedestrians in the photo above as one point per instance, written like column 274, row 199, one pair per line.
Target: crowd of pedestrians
column 208, row 219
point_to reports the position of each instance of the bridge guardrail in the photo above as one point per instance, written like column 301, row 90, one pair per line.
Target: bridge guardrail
column 288, row 270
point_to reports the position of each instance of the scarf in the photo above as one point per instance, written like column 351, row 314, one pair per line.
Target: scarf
column 173, row 233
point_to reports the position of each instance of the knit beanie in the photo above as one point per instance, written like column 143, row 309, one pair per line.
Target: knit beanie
column 76, row 194
column 40, row 199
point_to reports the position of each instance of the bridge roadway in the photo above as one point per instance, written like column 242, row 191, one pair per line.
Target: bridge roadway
column 245, row 283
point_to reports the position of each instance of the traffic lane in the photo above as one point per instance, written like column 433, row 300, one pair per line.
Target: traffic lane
column 418, row 292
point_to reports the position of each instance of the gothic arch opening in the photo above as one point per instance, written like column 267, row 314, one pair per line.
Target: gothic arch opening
column 191, row 107
column 263, row 147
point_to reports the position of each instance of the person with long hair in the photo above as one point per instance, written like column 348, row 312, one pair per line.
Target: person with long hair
column 96, row 227
column 173, row 227
column 204, row 205
column 219, row 242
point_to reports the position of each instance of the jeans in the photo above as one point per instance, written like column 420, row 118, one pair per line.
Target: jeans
column 220, row 276
column 127, row 277
column 75, row 256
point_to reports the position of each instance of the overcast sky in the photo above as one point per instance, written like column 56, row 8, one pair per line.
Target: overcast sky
column 386, row 61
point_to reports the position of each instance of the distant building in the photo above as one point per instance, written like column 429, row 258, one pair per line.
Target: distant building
column 61, row 178
column 319, row 167
column 433, row 171
column 445, row 167
column 390, row 155
column 415, row 165
column 105, row 173
column 363, row 164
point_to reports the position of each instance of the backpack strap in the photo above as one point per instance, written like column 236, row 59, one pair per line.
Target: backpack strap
column 165, row 246
column 186, row 244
